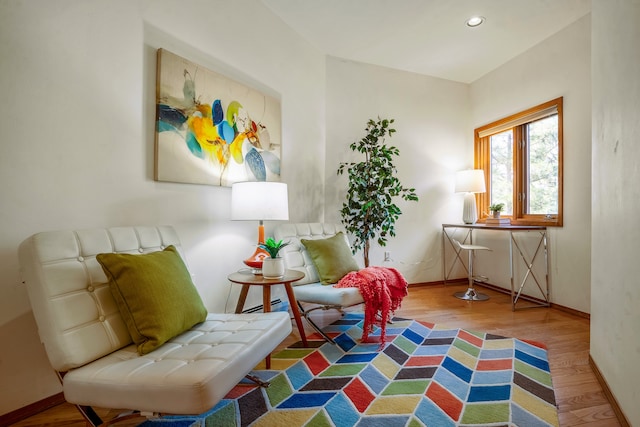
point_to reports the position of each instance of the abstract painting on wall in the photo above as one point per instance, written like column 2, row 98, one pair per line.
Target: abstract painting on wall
column 211, row 129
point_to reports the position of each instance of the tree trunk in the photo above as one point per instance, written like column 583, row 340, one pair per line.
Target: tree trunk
column 365, row 253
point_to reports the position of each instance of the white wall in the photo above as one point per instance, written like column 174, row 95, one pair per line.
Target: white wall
column 435, row 120
column 76, row 150
column 615, row 291
column 559, row 66
column 434, row 138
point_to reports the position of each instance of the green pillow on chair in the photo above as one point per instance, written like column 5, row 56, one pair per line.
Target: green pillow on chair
column 332, row 257
column 155, row 295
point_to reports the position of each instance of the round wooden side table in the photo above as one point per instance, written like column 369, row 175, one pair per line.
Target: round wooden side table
column 248, row 279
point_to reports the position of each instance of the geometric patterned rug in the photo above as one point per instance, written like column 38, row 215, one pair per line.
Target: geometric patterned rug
column 424, row 376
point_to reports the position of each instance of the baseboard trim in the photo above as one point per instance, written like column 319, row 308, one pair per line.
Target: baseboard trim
column 32, row 409
column 572, row 311
column 607, row 393
column 438, row 283
column 559, row 307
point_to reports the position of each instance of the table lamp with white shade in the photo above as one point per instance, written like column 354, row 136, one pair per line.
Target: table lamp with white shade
column 470, row 181
column 259, row 201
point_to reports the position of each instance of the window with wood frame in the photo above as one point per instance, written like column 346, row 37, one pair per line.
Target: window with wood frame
column 521, row 156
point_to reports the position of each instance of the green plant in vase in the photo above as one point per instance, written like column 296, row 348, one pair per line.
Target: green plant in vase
column 273, row 267
column 496, row 208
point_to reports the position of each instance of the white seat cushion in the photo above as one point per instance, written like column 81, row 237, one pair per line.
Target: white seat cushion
column 187, row 373
column 318, row 293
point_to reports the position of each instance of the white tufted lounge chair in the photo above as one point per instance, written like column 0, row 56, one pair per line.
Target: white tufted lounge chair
column 88, row 344
column 309, row 290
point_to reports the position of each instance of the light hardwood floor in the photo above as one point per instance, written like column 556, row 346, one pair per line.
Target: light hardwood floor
column 581, row 400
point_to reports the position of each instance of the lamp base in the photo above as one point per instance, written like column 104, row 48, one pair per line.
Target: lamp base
column 255, row 260
column 469, row 211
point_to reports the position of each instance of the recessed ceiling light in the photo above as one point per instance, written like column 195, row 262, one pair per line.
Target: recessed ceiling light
column 474, row 21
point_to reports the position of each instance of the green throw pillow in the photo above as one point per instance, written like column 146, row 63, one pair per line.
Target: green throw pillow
column 332, row 257
column 155, row 295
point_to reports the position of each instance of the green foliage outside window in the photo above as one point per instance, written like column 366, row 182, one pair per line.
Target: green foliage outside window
column 542, row 177
column 543, row 166
column 502, row 169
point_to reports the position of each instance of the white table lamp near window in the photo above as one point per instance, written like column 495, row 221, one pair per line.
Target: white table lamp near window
column 470, row 181
column 259, row 201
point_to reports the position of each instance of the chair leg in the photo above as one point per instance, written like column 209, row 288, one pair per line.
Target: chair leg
column 258, row 381
column 317, row 328
column 94, row 419
column 340, row 308
column 471, row 294
column 89, row 415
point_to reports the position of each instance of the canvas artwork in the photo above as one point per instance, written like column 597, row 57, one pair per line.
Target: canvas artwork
column 211, row 129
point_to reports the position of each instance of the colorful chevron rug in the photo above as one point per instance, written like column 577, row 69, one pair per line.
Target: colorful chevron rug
column 425, row 376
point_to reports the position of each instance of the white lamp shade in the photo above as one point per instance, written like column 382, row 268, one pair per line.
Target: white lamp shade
column 470, row 181
column 259, row 200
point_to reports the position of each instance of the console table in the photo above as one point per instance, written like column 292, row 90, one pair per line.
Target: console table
column 514, row 255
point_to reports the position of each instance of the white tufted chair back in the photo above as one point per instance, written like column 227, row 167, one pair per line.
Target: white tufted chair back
column 78, row 320
column 295, row 255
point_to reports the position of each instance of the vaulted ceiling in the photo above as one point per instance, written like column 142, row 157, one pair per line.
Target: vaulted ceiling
column 428, row 36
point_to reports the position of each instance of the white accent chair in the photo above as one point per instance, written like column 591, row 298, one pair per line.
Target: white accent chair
column 309, row 290
column 88, row 344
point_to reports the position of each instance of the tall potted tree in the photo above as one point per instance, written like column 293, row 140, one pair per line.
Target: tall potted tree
column 369, row 211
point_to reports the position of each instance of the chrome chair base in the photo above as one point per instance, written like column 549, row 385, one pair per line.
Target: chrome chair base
column 471, row 295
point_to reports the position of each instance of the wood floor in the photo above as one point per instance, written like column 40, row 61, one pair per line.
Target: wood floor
column 581, row 400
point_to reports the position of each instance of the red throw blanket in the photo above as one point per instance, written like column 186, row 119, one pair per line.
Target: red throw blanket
column 382, row 289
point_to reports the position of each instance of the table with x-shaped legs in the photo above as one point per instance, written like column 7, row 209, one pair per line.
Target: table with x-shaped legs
column 516, row 252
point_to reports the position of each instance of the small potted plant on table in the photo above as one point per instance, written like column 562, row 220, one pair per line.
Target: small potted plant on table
column 496, row 208
column 273, row 266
